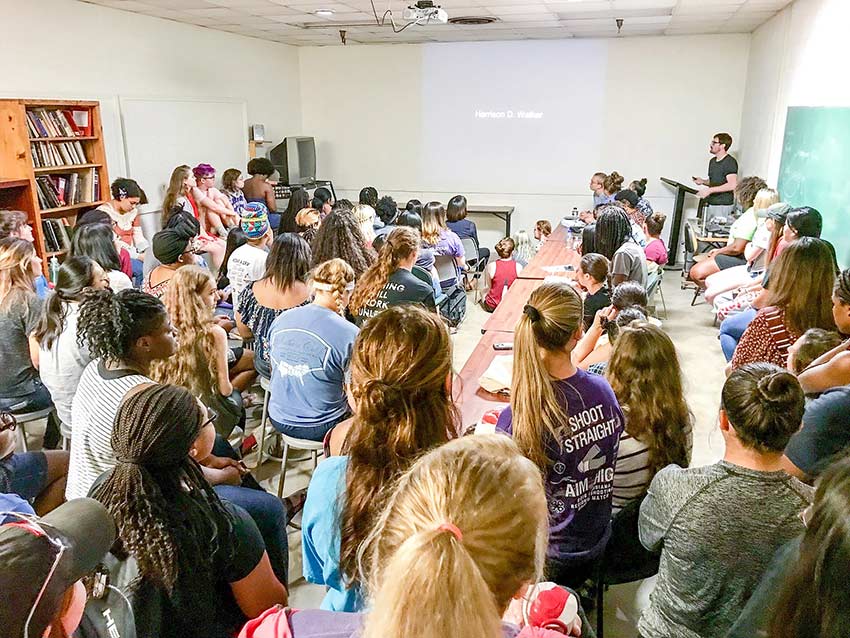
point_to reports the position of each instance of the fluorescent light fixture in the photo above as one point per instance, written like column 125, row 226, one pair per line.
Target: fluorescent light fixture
column 325, row 13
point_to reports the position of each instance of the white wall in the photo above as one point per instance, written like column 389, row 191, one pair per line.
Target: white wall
column 71, row 50
column 796, row 59
column 654, row 110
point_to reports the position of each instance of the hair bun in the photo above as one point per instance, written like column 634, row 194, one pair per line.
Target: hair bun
column 779, row 388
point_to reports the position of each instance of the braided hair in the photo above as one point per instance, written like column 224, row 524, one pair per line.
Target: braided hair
column 75, row 278
column 110, row 323
column 167, row 515
column 613, row 229
column 334, row 276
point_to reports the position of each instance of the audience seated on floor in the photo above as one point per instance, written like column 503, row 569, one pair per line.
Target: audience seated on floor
column 202, row 566
column 500, row 274
column 403, row 373
column 310, row 349
column 232, row 182
column 97, row 241
column 13, row 223
column 586, row 434
column 717, row 526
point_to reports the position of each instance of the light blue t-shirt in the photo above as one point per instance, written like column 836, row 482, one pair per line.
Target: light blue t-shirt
column 13, row 503
column 310, row 348
column 320, row 535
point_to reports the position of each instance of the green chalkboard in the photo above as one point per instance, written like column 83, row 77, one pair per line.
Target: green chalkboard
column 815, row 169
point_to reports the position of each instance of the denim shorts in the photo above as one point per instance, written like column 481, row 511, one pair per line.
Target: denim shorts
column 24, row 474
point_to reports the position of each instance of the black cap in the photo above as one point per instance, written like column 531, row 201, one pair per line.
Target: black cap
column 627, row 196
column 169, row 244
column 86, row 531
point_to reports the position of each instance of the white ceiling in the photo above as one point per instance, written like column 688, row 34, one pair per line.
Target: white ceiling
column 295, row 21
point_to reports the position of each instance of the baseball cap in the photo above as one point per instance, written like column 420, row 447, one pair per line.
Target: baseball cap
column 255, row 220
column 777, row 212
column 43, row 557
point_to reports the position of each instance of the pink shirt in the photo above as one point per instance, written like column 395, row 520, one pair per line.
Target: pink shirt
column 656, row 251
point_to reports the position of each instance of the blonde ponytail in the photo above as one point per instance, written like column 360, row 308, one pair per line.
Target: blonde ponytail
column 398, row 246
column 428, row 581
column 549, row 321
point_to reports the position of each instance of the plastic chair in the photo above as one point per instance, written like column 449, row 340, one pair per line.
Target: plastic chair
column 691, row 258
column 314, row 447
column 23, row 418
column 424, row 276
column 654, row 281
column 446, row 267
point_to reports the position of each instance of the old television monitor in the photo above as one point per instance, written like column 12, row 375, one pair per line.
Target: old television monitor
column 295, row 160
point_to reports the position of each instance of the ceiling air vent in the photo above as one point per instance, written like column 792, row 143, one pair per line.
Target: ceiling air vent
column 473, row 20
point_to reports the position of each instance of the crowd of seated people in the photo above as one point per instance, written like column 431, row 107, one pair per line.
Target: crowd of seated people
column 145, row 351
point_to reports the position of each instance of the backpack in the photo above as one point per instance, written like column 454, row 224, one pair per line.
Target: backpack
column 109, row 611
column 454, row 307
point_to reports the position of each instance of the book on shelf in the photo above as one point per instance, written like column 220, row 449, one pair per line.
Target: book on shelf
column 58, row 154
column 55, row 233
column 47, row 123
column 69, row 189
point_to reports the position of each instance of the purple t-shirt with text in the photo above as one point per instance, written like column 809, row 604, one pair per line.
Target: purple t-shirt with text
column 580, row 479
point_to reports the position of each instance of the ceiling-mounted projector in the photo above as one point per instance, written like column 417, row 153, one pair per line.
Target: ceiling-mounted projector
column 424, row 12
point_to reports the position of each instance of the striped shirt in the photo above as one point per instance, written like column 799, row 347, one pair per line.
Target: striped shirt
column 93, row 411
column 631, row 474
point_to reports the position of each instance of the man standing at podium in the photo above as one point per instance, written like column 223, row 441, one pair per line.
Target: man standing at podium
column 722, row 180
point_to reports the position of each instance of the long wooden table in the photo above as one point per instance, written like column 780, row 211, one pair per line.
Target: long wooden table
column 472, row 399
column 551, row 253
column 509, row 310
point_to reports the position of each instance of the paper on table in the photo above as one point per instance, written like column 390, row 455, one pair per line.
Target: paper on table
column 558, row 269
column 497, row 377
column 548, row 279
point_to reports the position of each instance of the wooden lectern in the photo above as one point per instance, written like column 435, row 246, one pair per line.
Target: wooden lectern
column 678, row 214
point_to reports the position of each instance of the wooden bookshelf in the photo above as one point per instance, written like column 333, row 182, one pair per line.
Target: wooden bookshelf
column 18, row 186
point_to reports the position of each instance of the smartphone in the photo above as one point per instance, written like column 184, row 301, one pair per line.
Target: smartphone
column 503, row 346
column 569, row 268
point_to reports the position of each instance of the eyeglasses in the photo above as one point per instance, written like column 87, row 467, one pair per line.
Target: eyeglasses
column 212, row 417
column 32, row 525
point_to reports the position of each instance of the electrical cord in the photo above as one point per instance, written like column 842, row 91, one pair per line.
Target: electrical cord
column 389, row 12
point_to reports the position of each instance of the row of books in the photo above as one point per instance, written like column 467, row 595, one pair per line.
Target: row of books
column 56, row 191
column 55, row 235
column 59, row 154
column 45, row 123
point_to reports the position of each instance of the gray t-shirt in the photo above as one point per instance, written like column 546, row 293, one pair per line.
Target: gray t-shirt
column 630, row 260
column 717, row 527
column 18, row 320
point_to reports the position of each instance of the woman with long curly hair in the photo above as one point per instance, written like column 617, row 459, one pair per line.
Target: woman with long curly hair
column 389, row 281
column 645, row 375
column 203, row 569
column 401, row 389
column 340, row 237
column 203, row 362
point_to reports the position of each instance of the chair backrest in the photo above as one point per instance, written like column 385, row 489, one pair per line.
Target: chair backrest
column 690, row 240
column 446, row 267
column 652, row 281
column 423, row 275
column 470, row 250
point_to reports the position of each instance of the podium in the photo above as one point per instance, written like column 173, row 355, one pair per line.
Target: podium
column 678, row 215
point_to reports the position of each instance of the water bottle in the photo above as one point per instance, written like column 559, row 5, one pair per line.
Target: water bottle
column 53, row 269
column 570, row 238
